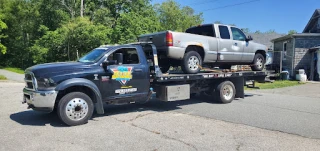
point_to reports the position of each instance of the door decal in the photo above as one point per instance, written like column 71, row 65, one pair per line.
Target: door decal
column 122, row 74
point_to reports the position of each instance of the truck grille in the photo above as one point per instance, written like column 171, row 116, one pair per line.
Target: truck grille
column 30, row 81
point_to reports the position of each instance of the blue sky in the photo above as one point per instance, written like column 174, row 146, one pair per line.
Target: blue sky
column 263, row 15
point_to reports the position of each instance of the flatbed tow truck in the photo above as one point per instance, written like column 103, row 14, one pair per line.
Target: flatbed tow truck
column 120, row 75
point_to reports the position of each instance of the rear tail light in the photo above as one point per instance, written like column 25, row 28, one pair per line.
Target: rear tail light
column 169, row 39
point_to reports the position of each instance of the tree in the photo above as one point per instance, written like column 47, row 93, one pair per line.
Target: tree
column 174, row 17
column 218, row 22
column 291, row 32
column 246, row 30
column 3, row 49
column 258, row 32
column 80, row 35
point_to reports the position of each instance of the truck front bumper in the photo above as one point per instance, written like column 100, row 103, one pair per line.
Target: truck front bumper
column 40, row 100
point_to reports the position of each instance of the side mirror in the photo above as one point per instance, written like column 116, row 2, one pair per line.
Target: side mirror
column 249, row 38
column 108, row 63
column 118, row 57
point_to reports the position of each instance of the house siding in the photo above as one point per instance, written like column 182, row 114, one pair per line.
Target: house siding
column 302, row 57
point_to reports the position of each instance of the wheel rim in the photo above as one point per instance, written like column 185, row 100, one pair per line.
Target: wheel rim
column 227, row 92
column 259, row 62
column 76, row 109
column 193, row 63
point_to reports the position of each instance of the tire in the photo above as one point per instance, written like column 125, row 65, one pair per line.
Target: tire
column 258, row 62
column 75, row 108
column 225, row 92
column 191, row 62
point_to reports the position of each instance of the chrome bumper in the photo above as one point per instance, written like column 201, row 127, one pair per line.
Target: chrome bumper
column 40, row 100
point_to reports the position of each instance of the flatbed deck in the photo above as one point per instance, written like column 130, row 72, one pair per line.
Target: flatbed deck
column 174, row 77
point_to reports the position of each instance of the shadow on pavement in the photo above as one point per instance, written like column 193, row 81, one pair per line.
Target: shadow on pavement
column 35, row 118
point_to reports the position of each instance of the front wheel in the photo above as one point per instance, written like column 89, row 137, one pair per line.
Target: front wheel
column 191, row 62
column 75, row 108
column 258, row 62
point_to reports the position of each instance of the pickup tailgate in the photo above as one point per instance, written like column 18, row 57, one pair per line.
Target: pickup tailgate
column 158, row 39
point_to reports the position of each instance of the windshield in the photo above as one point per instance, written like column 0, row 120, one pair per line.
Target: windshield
column 93, row 56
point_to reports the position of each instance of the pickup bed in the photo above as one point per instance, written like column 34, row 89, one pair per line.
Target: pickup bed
column 120, row 75
column 210, row 44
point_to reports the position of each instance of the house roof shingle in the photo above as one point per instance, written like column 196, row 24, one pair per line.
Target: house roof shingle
column 265, row 38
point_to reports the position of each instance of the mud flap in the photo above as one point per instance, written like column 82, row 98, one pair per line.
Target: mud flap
column 239, row 85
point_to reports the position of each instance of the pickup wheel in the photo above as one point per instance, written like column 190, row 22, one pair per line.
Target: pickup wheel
column 225, row 92
column 258, row 62
column 75, row 108
column 191, row 62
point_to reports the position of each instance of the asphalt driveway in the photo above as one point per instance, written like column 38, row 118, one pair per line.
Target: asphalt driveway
column 184, row 125
column 294, row 110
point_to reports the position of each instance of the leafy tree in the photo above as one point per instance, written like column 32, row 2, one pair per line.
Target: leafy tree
column 3, row 49
column 80, row 35
column 174, row 17
column 246, row 30
column 291, row 32
column 258, row 32
column 218, row 22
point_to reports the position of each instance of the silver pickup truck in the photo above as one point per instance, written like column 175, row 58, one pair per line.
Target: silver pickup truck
column 209, row 44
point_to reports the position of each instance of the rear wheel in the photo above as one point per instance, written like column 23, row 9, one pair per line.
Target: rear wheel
column 191, row 62
column 75, row 108
column 258, row 62
column 225, row 92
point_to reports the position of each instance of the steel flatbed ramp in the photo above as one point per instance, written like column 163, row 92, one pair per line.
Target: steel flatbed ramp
column 247, row 75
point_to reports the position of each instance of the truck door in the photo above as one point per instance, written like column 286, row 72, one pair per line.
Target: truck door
column 130, row 79
column 230, row 50
column 239, row 39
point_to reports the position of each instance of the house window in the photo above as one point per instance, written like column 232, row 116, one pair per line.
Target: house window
column 284, row 53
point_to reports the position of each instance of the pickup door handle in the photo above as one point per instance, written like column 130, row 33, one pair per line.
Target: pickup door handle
column 137, row 70
column 236, row 44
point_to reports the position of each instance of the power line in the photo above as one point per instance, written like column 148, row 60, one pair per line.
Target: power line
column 230, row 5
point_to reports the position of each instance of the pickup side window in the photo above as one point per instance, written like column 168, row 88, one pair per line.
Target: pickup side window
column 130, row 55
column 206, row 30
column 224, row 32
column 238, row 34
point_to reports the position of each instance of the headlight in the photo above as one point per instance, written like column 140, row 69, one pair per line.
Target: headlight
column 45, row 84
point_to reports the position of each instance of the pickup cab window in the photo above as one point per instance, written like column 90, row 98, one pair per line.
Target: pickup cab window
column 224, row 32
column 130, row 55
column 206, row 30
column 238, row 34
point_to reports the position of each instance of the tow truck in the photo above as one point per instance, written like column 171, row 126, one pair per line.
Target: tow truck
column 122, row 74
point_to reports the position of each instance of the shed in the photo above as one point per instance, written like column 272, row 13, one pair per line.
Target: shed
column 291, row 52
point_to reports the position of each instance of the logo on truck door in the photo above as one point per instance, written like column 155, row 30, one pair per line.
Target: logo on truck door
column 122, row 74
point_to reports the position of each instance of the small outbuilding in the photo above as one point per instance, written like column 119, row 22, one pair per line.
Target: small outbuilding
column 292, row 52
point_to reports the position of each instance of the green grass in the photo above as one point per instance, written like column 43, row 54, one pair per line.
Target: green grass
column 3, row 77
column 276, row 84
column 16, row 70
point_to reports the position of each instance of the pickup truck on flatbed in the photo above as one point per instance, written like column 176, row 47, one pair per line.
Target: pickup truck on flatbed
column 210, row 44
column 120, row 75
